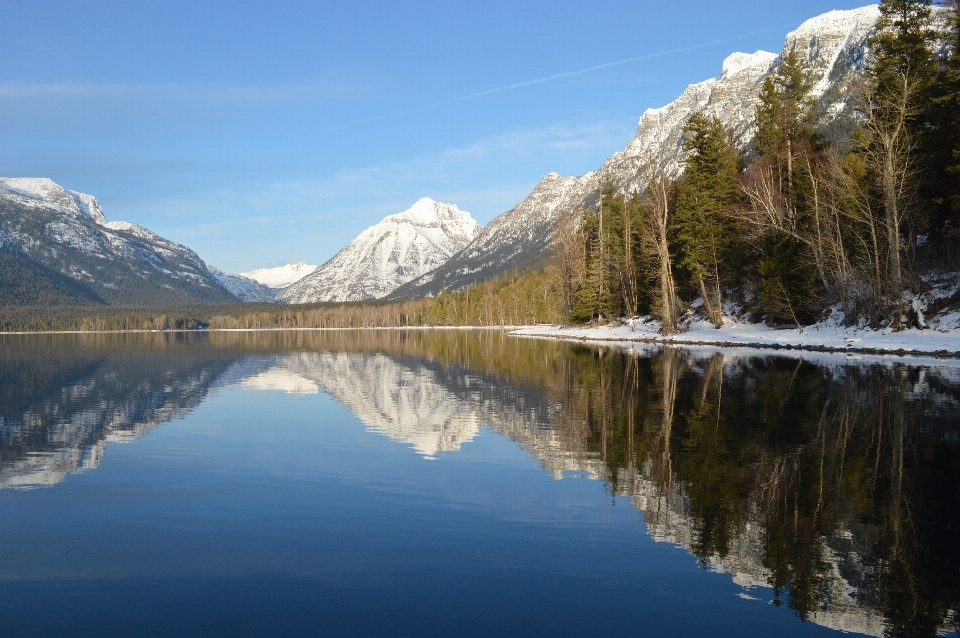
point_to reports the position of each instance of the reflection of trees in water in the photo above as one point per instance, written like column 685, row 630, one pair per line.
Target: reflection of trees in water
column 836, row 485
column 843, row 481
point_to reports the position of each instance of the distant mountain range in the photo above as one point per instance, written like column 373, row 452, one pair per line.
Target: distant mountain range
column 57, row 247
column 263, row 284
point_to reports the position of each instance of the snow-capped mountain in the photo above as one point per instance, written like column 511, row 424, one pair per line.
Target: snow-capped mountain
column 387, row 255
column 244, row 288
column 61, row 236
column 834, row 45
column 263, row 284
column 281, row 276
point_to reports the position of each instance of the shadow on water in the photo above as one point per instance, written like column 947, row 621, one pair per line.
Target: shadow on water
column 834, row 483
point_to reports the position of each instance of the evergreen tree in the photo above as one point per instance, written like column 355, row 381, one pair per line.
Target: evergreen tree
column 903, row 46
column 785, row 116
column 942, row 141
column 704, row 226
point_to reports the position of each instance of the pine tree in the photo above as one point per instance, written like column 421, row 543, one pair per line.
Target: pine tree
column 942, row 141
column 903, row 46
column 952, row 129
column 785, row 116
column 705, row 231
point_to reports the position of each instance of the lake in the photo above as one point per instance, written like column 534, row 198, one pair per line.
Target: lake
column 466, row 482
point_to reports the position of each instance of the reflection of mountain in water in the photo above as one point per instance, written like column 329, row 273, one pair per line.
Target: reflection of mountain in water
column 402, row 399
column 836, row 485
column 62, row 402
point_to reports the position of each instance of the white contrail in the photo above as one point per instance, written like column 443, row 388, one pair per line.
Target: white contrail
column 556, row 76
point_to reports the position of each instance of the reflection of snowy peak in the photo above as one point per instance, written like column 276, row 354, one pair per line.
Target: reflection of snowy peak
column 54, row 232
column 405, row 402
column 389, row 254
column 282, row 380
column 833, row 44
column 81, row 419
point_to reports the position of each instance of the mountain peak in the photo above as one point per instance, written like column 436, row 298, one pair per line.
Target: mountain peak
column 428, row 212
column 388, row 254
column 834, row 46
column 44, row 189
column 737, row 62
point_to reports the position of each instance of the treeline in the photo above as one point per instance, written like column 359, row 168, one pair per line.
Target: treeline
column 516, row 298
column 809, row 224
column 108, row 318
column 512, row 299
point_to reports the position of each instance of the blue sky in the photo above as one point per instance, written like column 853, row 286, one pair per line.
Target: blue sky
column 262, row 132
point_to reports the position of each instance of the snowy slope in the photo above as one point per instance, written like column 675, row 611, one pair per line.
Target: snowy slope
column 263, row 284
column 834, row 44
column 387, row 255
column 243, row 287
column 66, row 232
column 281, row 276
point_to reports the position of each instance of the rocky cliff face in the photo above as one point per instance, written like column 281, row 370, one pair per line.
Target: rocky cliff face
column 834, row 45
column 64, row 233
column 387, row 255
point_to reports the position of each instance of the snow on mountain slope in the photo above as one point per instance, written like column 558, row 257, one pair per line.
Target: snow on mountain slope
column 387, row 255
column 119, row 262
column 244, row 288
column 281, row 276
column 834, row 45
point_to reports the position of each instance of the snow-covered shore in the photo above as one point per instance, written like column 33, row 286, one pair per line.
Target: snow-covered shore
column 942, row 342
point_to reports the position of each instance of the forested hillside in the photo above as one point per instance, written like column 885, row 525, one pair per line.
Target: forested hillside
column 26, row 283
column 802, row 224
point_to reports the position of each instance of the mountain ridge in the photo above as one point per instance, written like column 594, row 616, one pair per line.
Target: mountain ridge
column 835, row 44
column 48, row 232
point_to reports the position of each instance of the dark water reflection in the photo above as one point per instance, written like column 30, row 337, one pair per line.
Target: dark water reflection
column 828, row 486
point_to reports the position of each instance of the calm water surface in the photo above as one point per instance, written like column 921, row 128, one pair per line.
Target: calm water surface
column 470, row 483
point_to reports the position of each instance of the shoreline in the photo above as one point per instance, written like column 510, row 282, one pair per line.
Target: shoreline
column 738, row 345
column 734, row 335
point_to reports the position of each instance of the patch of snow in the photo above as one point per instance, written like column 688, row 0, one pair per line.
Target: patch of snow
column 88, row 206
column 818, row 337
